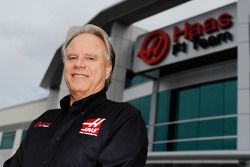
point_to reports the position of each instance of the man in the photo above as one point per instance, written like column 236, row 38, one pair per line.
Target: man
column 88, row 130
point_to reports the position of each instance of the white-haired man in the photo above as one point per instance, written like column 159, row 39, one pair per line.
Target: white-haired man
column 88, row 130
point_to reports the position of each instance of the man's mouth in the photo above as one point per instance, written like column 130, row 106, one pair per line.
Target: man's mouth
column 80, row 76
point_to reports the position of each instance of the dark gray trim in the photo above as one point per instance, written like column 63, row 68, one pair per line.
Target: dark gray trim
column 153, row 109
column 53, row 76
column 131, row 11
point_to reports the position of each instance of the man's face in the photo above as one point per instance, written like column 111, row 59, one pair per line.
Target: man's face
column 86, row 65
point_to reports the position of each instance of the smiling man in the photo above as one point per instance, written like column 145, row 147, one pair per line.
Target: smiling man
column 88, row 130
column 86, row 68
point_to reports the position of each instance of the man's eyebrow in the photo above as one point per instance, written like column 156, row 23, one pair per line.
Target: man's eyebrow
column 91, row 54
column 71, row 54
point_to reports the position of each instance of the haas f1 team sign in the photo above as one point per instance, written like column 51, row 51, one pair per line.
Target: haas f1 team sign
column 202, row 35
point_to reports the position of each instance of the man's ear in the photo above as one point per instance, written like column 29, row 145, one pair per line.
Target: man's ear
column 108, row 69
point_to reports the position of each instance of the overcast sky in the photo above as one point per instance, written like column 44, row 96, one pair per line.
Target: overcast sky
column 31, row 31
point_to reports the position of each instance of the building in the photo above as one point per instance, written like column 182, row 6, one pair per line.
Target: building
column 190, row 80
column 14, row 122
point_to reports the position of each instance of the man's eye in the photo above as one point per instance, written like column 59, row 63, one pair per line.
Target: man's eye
column 90, row 58
column 71, row 57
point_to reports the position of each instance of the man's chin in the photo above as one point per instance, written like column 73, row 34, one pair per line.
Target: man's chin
column 79, row 91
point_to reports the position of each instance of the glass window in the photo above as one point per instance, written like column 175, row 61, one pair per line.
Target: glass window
column 229, row 144
column 230, row 126
column 160, row 147
column 211, row 128
column 7, row 140
column 163, row 107
column 135, row 80
column 163, row 111
column 24, row 134
column 183, row 146
column 210, row 145
column 190, row 104
column 230, row 97
column 226, row 144
column 211, row 99
column 143, row 104
column 187, row 103
column 185, row 130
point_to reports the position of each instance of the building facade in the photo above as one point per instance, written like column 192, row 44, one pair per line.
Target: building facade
column 14, row 122
column 190, row 80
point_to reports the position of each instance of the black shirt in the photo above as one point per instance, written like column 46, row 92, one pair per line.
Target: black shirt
column 93, row 132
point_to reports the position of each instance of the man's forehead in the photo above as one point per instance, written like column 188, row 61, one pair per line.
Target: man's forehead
column 87, row 42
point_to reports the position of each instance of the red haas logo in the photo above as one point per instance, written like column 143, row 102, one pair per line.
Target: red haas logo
column 92, row 126
column 154, row 47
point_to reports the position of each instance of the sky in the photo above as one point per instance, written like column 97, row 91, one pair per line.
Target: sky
column 31, row 31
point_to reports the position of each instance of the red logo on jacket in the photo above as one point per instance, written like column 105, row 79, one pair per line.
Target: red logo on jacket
column 42, row 124
column 92, row 126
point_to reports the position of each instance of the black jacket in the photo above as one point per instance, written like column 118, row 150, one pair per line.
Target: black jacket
column 93, row 132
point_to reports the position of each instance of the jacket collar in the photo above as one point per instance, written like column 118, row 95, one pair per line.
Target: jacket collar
column 81, row 105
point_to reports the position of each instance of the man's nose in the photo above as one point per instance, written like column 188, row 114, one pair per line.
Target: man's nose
column 80, row 63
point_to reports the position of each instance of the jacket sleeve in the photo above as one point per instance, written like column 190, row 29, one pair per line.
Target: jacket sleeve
column 127, row 146
column 16, row 159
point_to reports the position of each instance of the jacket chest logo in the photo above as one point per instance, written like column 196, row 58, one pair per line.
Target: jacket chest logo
column 92, row 126
column 42, row 124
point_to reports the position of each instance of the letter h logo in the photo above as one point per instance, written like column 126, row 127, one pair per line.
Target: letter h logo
column 92, row 126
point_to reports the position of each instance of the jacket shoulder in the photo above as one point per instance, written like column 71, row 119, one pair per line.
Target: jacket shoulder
column 120, row 112
column 50, row 113
column 47, row 114
column 124, row 107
